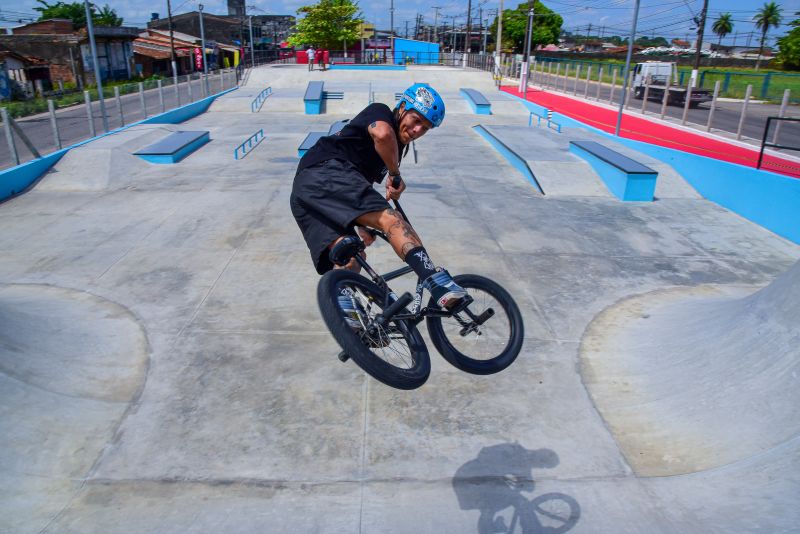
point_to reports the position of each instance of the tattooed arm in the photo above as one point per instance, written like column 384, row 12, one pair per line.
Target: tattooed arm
column 385, row 141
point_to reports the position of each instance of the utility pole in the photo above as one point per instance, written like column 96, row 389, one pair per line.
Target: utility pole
column 252, row 45
column 480, row 18
column 406, row 33
column 701, row 25
column 468, row 42
column 626, row 74
column 523, row 75
column 96, row 64
column 435, row 22
column 391, row 28
column 172, row 46
column 203, row 45
column 498, row 45
column 454, row 34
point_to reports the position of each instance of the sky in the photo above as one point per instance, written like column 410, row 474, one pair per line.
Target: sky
column 667, row 18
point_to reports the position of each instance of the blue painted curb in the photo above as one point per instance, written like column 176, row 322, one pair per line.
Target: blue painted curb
column 512, row 157
column 346, row 66
column 16, row 180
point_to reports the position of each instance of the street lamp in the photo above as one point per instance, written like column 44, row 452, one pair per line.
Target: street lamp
column 523, row 75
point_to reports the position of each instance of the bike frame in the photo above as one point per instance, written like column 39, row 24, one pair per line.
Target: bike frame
column 417, row 312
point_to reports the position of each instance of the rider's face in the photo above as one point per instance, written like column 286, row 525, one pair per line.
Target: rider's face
column 413, row 126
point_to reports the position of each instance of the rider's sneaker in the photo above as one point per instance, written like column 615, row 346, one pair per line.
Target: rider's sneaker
column 446, row 293
column 349, row 311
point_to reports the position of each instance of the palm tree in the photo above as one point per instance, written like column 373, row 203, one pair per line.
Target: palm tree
column 723, row 26
column 767, row 17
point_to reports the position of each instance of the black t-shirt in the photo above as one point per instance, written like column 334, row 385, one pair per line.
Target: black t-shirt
column 354, row 144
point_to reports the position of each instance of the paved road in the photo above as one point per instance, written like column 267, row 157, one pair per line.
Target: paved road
column 73, row 122
column 726, row 116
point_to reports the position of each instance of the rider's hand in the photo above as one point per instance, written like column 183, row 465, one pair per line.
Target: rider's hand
column 365, row 236
column 392, row 192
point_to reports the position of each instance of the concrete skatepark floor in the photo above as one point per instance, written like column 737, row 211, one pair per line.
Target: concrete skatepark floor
column 165, row 368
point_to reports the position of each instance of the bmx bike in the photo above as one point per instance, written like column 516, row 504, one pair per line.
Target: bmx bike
column 483, row 336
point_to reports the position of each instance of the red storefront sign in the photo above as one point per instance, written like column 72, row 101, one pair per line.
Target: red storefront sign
column 198, row 59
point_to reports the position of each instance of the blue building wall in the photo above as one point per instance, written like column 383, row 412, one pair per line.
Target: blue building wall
column 420, row 52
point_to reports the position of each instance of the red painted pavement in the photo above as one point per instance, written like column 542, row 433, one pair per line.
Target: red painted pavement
column 657, row 134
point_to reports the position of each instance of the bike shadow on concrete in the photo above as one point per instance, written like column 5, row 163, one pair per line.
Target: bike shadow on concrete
column 498, row 483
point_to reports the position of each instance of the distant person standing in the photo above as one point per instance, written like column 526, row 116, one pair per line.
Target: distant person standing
column 310, row 54
column 321, row 59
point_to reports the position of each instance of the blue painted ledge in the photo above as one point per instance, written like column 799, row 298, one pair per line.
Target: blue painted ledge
column 512, row 157
column 350, row 66
column 16, row 180
column 763, row 197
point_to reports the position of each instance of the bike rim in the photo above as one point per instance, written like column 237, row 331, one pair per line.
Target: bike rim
column 390, row 342
column 490, row 339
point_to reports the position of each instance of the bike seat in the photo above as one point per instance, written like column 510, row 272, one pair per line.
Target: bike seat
column 344, row 250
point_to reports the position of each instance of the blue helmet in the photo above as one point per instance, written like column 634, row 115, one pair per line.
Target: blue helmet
column 424, row 99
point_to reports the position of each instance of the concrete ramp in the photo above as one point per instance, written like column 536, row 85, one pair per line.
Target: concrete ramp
column 70, row 364
column 105, row 163
column 697, row 378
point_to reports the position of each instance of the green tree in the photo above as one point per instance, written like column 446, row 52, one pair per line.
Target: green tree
column 723, row 26
column 327, row 24
column 767, row 17
column 789, row 46
column 546, row 26
column 77, row 13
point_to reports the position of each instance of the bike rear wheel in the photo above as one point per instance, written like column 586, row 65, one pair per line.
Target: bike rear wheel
column 395, row 353
column 480, row 349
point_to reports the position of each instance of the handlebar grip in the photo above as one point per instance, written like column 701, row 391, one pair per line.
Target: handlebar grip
column 396, row 181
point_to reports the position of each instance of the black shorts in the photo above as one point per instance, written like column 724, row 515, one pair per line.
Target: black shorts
column 326, row 200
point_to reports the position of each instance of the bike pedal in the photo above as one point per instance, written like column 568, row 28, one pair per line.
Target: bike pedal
column 461, row 306
column 343, row 357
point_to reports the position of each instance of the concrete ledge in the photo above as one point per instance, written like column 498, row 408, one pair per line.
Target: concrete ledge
column 366, row 67
column 174, row 147
column 627, row 179
column 313, row 98
column 479, row 104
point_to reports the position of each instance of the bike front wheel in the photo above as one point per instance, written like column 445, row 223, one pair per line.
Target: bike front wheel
column 485, row 348
column 393, row 353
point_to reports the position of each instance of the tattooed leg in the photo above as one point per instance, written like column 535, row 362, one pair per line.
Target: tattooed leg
column 401, row 234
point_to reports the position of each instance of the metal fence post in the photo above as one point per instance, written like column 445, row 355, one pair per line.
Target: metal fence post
column 646, row 95
column 177, row 91
column 161, row 96
column 781, row 114
column 141, row 99
column 613, row 85
column 686, row 102
column 566, row 75
column 713, row 105
column 626, row 97
column 221, row 80
column 727, row 82
column 665, row 98
column 765, row 85
column 744, row 110
column 557, row 75
column 189, row 87
column 588, row 78
column 119, row 105
column 550, row 73
column 12, row 146
column 51, row 107
column 577, row 75
column 88, row 100
column 599, row 83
